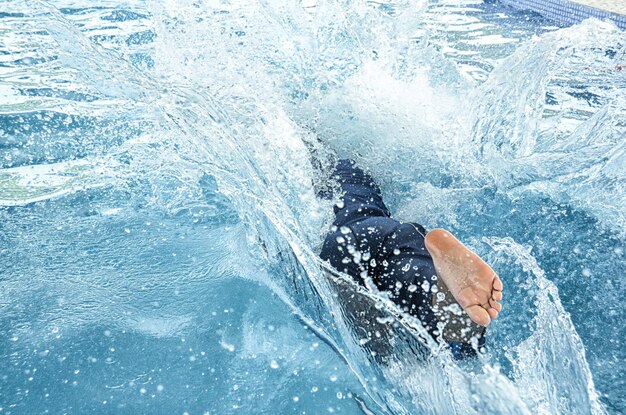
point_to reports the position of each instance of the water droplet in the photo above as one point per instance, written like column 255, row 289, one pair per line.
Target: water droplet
column 227, row 346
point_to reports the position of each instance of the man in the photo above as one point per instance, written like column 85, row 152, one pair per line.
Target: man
column 419, row 270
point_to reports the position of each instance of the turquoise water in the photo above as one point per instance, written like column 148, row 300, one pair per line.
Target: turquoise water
column 159, row 225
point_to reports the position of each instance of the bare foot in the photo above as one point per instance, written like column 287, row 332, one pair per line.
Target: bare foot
column 472, row 282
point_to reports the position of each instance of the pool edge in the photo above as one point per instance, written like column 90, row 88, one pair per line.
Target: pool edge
column 566, row 12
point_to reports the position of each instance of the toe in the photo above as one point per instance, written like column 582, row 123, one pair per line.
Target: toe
column 478, row 315
column 495, row 305
column 493, row 313
column 496, row 295
column 497, row 284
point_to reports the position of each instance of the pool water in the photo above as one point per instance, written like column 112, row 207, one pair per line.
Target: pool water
column 159, row 224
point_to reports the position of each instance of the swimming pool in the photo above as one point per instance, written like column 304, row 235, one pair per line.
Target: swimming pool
column 159, row 225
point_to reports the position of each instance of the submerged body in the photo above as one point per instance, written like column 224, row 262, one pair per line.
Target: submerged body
column 413, row 266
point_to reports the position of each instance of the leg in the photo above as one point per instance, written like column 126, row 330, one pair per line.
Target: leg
column 365, row 239
column 367, row 243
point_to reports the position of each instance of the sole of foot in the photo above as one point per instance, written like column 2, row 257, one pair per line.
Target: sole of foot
column 472, row 283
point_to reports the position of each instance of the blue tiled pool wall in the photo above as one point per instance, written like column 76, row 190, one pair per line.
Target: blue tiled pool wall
column 566, row 12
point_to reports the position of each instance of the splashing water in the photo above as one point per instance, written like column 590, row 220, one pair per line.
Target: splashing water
column 160, row 222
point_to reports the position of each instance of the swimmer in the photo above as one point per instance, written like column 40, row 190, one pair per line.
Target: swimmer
column 430, row 275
